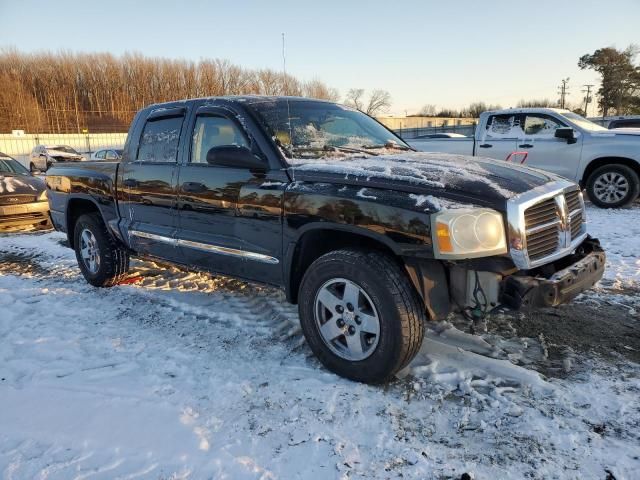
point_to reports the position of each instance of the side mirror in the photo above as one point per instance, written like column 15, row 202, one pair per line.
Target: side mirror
column 566, row 133
column 234, row 156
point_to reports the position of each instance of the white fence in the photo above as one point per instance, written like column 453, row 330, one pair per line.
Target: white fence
column 20, row 146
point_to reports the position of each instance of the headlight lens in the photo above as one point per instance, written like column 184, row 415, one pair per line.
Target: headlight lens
column 43, row 196
column 468, row 233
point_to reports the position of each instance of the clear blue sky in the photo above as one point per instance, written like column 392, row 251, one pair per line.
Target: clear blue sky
column 447, row 53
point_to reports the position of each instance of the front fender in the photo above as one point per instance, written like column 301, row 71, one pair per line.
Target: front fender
column 387, row 216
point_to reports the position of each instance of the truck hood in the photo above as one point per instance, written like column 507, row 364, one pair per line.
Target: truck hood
column 479, row 180
column 20, row 185
column 59, row 153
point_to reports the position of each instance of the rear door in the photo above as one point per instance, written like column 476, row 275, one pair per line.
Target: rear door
column 230, row 217
column 498, row 140
column 149, row 184
column 544, row 150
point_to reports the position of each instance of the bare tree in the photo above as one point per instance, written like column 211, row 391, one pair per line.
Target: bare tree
column 317, row 89
column 537, row 103
column 379, row 101
column 67, row 92
column 355, row 98
column 427, row 110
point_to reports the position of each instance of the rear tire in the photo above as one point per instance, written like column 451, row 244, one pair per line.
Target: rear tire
column 613, row 186
column 383, row 292
column 102, row 261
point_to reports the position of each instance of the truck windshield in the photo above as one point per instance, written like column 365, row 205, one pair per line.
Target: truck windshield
column 583, row 122
column 9, row 166
column 307, row 129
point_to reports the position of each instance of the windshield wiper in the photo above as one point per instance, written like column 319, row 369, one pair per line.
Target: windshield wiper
column 394, row 146
column 334, row 148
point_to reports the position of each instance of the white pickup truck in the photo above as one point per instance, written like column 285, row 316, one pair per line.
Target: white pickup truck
column 604, row 162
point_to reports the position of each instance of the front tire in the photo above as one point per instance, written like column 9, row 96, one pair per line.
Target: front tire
column 361, row 315
column 102, row 261
column 613, row 186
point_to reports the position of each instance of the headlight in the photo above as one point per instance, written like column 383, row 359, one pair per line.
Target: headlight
column 468, row 233
column 43, row 196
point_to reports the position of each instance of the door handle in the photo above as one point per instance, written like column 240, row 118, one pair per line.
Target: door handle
column 525, row 145
column 194, row 187
column 485, row 145
column 130, row 182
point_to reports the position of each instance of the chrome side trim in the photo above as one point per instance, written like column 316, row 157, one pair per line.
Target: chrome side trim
column 517, row 234
column 259, row 257
column 153, row 236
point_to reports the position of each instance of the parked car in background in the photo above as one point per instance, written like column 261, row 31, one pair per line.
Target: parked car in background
column 108, row 154
column 370, row 238
column 23, row 197
column 43, row 156
column 442, row 135
column 604, row 162
column 624, row 123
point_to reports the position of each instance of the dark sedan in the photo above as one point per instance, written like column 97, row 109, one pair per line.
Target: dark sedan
column 23, row 197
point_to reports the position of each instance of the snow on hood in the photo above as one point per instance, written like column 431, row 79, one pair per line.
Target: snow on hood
column 24, row 185
column 434, row 171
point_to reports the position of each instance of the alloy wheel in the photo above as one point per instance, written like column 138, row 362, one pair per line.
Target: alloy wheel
column 347, row 319
column 611, row 187
column 89, row 251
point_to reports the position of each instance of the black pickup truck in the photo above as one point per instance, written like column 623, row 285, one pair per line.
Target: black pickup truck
column 370, row 238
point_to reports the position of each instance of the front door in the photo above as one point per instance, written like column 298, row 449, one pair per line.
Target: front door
column 212, row 232
column 149, row 186
column 544, row 150
column 498, row 140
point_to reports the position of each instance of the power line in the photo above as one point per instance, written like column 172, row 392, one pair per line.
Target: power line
column 563, row 91
column 587, row 97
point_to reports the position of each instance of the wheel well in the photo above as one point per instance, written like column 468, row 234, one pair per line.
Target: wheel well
column 75, row 209
column 599, row 162
column 312, row 245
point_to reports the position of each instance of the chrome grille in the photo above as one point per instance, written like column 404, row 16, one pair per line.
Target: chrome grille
column 546, row 223
column 9, row 199
column 575, row 211
column 542, row 224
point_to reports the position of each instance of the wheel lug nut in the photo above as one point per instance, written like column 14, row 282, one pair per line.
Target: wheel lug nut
column 339, row 309
column 340, row 323
column 349, row 307
column 358, row 320
column 352, row 330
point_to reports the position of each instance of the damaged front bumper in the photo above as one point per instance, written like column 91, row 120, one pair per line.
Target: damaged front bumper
column 557, row 283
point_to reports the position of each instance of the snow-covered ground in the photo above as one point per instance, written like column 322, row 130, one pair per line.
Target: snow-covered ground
column 182, row 375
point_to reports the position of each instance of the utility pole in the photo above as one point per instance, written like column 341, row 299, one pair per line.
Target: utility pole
column 587, row 97
column 563, row 92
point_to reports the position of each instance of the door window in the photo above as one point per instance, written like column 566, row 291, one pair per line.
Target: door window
column 541, row 125
column 212, row 132
column 100, row 154
column 111, row 155
column 503, row 126
column 159, row 140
